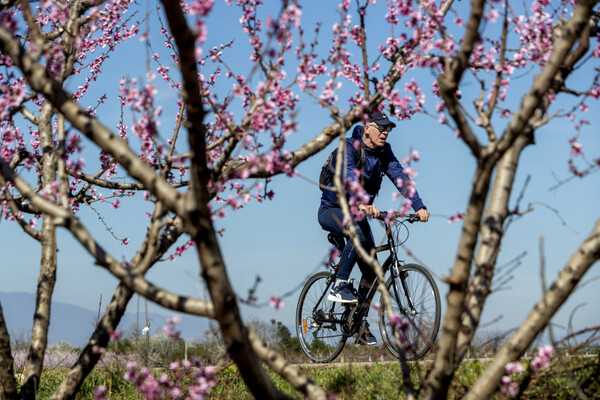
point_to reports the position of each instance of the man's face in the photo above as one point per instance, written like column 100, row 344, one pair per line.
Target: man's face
column 376, row 135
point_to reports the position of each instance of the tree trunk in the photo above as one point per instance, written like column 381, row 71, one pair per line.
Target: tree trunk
column 7, row 372
column 48, row 264
column 445, row 363
column 492, row 231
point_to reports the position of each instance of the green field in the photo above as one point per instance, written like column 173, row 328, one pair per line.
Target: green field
column 355, row 381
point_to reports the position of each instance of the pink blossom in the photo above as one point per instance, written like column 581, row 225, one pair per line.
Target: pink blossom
column 406, row 207
column 542, row 360
column 276, row 302
column 11, row 97
column 358, row 196
column 400, row 325
column 100, row 392
column 234, row 203
column 410, row 172
column 200, row 7
column 8, row 22
column 576, row 149
column 508, row 386
column 514, row 367
column 174, row 366
column 334, row 253
column 171, row 332
column 115, row 335
column 456, row 217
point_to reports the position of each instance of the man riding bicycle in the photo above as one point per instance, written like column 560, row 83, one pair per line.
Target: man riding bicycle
column 375, row 158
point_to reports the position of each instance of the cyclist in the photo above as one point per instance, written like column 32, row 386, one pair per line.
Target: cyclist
column 377, row 159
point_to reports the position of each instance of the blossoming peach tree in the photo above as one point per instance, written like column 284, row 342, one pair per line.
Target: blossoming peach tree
column 230, row 136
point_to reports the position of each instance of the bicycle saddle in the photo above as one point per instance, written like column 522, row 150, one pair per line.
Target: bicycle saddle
column 336, row 240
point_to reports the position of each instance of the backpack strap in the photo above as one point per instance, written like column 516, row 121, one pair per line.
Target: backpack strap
column 359, row 156
column 328, row 169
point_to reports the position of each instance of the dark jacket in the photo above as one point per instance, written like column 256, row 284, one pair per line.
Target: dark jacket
column 377, row 162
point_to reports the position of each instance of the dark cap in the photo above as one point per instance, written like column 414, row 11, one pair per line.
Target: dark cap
column 380, row 118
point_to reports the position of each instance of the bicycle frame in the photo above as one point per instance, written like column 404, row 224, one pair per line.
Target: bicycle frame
column 351, row 323
column 323, row 326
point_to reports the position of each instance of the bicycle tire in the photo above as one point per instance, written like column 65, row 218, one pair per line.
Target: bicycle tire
column 423, row 326
column 320, row 341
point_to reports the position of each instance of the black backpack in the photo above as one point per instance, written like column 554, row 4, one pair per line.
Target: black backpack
column 328, row 169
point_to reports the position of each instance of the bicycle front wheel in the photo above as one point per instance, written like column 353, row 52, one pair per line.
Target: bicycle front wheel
column 416, row 300
column 318, row 321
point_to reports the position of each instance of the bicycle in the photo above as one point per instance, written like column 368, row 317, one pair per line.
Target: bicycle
column 323, row 326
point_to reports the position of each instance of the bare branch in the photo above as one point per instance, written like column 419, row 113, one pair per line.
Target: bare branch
column 133, row 280
column 110, row 143
column 14, row 209
column 572, row 31
column 449, row 80
column 585, row 256
column 498, row 82
column 213, row 267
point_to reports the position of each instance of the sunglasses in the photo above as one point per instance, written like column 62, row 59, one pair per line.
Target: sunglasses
column 384, row 128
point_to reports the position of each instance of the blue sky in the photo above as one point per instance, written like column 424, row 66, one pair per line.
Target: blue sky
column 281, row 241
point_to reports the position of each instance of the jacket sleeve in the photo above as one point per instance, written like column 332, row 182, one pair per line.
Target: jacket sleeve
column 402, row 181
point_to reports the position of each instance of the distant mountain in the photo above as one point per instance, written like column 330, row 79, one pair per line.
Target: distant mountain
column 73, row 324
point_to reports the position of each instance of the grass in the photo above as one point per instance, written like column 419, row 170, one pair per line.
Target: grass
column 112, row 378
column 356, row 381
column 346, row 382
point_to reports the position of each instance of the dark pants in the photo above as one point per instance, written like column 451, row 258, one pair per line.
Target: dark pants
column 331, row 220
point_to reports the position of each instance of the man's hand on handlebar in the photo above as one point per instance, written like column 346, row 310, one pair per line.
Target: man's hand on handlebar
column 423, row 214
column 370, row 210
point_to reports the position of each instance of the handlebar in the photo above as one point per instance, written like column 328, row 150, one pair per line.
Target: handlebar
column 409, row 217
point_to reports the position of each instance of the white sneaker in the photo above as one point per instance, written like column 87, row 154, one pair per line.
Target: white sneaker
column 341, row 293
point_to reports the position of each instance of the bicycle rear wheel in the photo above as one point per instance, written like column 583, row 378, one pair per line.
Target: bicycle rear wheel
column 318, row 321
column 415, row 298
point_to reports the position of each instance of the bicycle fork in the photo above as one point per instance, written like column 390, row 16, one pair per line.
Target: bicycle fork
column 402, row 275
